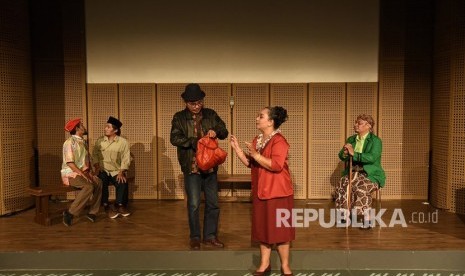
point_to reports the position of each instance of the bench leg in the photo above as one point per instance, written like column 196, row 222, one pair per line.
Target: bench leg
column 42, row 213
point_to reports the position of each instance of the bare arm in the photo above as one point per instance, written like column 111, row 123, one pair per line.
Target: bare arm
column 260, row 159
column 239, row 152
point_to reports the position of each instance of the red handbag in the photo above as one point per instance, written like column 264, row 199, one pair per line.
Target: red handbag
column 208, row 154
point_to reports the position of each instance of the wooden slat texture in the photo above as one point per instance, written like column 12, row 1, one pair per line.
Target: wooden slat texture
column 137, row 109
column 17, row 128
column 249, row 99
column 326, row 132
column 294, row 97
column 362, row 98
column 102, row 100
column 405, row 96
column 168, row 102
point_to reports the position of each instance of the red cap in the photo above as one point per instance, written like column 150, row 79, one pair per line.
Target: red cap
column 71, row 124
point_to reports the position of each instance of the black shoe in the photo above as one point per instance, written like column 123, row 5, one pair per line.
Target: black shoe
column 91, row 217
column 194, row 244
column 67, row 218
column 214, row 242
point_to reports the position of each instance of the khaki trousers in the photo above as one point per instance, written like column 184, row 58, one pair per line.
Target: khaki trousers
column 90, row 192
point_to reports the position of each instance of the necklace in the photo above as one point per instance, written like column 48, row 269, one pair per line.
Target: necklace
column 261, row 144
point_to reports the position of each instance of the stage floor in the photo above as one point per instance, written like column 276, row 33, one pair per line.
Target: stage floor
column 154, row 241
column 162, row 226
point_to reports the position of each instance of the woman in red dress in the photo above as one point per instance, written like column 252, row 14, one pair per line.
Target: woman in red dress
column 272, row 189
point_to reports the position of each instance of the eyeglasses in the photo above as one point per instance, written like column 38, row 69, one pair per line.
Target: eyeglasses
column 361, row 123
column 194, row 104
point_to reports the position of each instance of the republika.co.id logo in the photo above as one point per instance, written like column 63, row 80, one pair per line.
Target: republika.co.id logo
column 300, row 218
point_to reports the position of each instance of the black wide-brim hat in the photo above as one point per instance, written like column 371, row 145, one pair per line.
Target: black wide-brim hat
column 192, row 93
column 117, row 123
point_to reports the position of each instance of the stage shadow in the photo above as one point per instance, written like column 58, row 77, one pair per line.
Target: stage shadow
column 169, row 186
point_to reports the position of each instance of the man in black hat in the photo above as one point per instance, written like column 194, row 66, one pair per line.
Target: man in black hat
column 111, row 160
column 187, row 127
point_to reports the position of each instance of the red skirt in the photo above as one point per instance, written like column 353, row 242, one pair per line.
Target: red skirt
column 264, row 227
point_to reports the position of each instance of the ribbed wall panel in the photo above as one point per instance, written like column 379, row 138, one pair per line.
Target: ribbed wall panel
column 168, row 102
column 249, row 100
column 17, row 128
column 404, row 96
column 294, row 98
column 326, row 136
column 137, row 112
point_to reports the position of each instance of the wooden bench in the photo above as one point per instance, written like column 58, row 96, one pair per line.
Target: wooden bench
column 233, row 182
column 42, row 196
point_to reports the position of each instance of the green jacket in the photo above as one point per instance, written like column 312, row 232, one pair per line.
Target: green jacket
column 370, row 158
column 182, row 134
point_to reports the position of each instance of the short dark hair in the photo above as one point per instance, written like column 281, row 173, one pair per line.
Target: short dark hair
column 118, row 130
column 278, row 114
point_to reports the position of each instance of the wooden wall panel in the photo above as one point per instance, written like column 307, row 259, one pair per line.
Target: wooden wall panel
column 362, row 98
column 50, row 115
column 457, row 119
column 137, row 112
column 401, row 112
column 440, row 114
column 59, row 69
column 294, row 97
column 404, row 96
column 168, row 103
column 391, row 110
column 326, row 136
column 102, row 102
column 17, row 128
column 249, row 100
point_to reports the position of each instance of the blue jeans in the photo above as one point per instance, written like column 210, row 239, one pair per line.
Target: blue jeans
column 121, row 189
column 194, row 184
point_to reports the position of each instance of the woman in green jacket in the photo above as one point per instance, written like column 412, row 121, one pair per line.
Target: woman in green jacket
column 368, row 175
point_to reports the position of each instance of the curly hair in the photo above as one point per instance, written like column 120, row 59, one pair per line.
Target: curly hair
column 278, row 114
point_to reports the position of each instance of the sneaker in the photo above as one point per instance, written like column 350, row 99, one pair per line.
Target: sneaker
column 111, row 211
column 123, row 211
column 91, row 217
column 67, row 218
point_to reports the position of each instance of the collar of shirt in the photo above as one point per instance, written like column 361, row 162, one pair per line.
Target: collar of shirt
column 362, row 138
column 78, row 137
column 191, row 115
column 114, row 139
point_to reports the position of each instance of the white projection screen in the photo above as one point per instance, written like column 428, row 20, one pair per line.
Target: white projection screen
column 237, row 41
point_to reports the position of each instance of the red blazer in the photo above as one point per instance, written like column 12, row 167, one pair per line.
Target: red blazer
column 277, row 181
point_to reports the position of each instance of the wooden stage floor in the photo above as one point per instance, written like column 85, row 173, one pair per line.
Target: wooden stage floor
column 162, row 226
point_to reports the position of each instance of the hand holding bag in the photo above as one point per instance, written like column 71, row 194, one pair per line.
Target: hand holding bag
column 208, row 154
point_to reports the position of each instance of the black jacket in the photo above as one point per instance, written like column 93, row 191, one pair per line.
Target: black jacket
column 182, row 134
